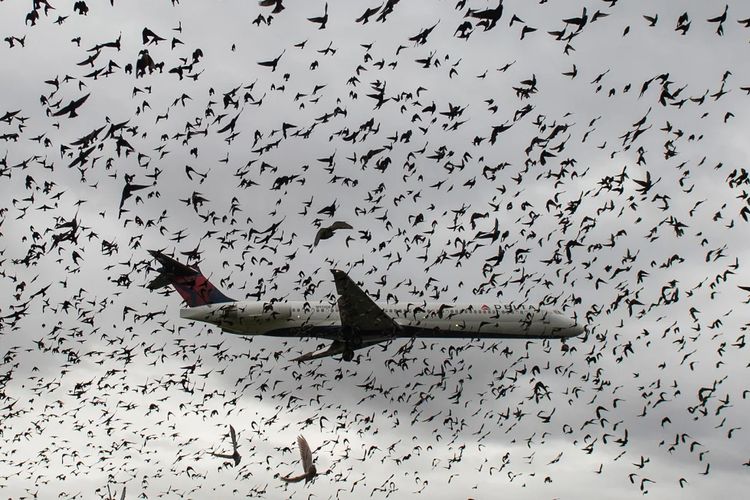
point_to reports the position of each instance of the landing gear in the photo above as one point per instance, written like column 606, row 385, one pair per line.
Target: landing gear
column 352, row 340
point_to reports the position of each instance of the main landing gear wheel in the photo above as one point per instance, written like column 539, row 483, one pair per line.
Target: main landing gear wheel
column 347, row 355
column 564, row 347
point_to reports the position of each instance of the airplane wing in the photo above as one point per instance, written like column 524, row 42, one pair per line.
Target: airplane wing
column 336, row 347
column 358, row 313
column 357, row 310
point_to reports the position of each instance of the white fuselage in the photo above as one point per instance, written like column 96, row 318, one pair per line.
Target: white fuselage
column 435, row 320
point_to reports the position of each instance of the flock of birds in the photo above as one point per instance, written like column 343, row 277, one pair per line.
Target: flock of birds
column 437, row 156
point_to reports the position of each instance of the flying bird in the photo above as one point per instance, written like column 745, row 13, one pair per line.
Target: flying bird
column 149, row 37
column 321, row 20
column 71, row 107
column 307, row 463
column 235, row 453
column 110, row 496
column 326, row 232
column 273, row 62
column 277, row 5
column 127, row 192
column 365, row 17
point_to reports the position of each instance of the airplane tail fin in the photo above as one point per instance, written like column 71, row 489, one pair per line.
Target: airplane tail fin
column 188, row 281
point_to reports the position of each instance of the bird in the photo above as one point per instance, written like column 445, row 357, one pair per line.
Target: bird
column 149, row 37
column 329, row 210
column 321, row 20
column 326, row 232
column 273, row 62
column 235, row 453
column 720, row 20
column 652, row 20
column 81, row 7
column 71, row 107
column 110, row 496
column 489, row 17
column 579, row 22
column 127, row 192
column 276, row 4
column 307, row 464
column 365, row 17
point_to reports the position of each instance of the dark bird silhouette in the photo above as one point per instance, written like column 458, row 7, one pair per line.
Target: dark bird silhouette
column 488, row 17
column 277, row 5
column 127, row 192
column 421, row 37
column 387, row 10
column 526, row 30
column 578, row 22
column 683, row 23
column 365, row 17
column 71, row 107
column 321, row 20
column 144, row 62
column 720, row 20
column 273, row 62
column 81, row 7
column 330, row 210
column 149, row 37
column 572, row 73
column 652, row 20
column 644, row 185
column 326, row 232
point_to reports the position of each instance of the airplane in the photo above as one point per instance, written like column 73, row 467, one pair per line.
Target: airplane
column 355, row 321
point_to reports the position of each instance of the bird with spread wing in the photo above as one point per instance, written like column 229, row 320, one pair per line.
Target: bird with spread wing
column 307, row 463
column 327, row 232
column 235, row 454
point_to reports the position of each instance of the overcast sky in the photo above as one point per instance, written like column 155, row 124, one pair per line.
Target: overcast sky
column 628, row 138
